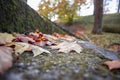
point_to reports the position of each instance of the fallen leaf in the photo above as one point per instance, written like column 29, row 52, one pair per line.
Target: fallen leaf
column 34, row 34
column 67, row 47
column 41, row 39
column 6, row 38
column 68, row 38
column 41, row 43
column 50, row 37
column 5, row 58
column 45, row 40
column 38, row 50
column 23, row 38
column 115, row 64
column 60, row 45
column 21, row 47
column 52, row 40
column 64, row 37
column 38, row 32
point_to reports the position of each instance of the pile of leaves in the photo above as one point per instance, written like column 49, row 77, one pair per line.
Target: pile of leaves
column 37, row 43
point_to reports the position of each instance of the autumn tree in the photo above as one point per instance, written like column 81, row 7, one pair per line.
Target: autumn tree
column 64, row 9
column 98, row 14
column 45, row 8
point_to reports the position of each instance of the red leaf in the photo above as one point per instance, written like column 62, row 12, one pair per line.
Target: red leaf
column 23, row 38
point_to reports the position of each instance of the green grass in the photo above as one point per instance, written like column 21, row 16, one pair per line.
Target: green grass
column 111, row 22
column 105, row 39
column 111, row 29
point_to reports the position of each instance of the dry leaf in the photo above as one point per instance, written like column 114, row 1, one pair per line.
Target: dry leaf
column 34, row 34
column 6, row 38
column 23, row 38
column 115, row 64
column 41, row 43
column 68, row 38
column 64, row 37
column 5, row 58
column 60, row 45
column 66, row 47
column 38, row 50
column 21, row 47
column 50, row 37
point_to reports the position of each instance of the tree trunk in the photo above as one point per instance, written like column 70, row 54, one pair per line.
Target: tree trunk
column 98, row 7
column 118, row 6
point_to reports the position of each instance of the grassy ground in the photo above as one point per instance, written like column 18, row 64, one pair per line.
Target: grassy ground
column 111, row 29
column 105, row 39
column 110, row 22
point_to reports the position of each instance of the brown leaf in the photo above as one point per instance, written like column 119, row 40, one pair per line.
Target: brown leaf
column 115, row 64
column 5, row 58
column 5, row 38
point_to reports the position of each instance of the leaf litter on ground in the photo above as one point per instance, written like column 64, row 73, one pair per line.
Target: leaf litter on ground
column 35, row 41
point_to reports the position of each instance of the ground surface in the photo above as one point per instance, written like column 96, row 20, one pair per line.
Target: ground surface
column 87, row 65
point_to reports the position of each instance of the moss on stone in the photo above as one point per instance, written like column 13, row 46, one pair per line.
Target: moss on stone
column 17, row 16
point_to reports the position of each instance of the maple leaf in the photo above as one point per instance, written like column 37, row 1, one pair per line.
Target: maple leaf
column 23, row 38
column 60, row 45
column 64, row 37
column 52, row 40
column 38, row 50
column 21, row 47
column 50, row 37
column 66, row 47
column 45, row 40
column 6, row 38
column 68, row 38
column 34, row 34
column 115, row 64
column 41, row 43
column 5, row 58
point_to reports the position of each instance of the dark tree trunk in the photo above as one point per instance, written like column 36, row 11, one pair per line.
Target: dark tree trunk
column 98, row 7
column 118, row 6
